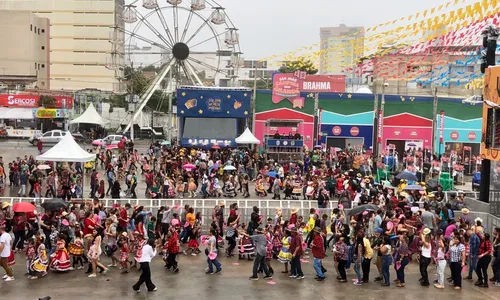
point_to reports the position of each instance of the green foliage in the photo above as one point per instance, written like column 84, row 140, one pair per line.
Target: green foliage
column 137, row 83
column 299, row 64
column 261, row 84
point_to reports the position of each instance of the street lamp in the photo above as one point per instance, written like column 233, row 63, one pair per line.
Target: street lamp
column 132, row 100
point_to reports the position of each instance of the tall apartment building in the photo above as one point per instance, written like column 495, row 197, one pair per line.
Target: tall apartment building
column 342, row 46
column 24, row 54
column 80, row 36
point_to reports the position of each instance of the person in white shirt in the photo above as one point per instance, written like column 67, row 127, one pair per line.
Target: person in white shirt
column 5, row 245
column 148, row 252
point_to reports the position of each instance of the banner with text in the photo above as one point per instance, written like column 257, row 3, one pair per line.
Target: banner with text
column 290, row 85
column 33, row 101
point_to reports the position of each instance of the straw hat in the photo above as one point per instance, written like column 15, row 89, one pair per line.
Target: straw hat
column 431, row 195
column 221, row 203
column 125, row 234
column 294, row 210
column 358, row 175
column 64, row 214
column 465, row 211
column 403, row 194
column 5, row 205
column 427, row 231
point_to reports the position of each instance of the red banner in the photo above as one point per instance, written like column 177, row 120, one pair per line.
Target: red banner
column 441, row 127
column 379, row 125
column 32, row 101
column 289, row 86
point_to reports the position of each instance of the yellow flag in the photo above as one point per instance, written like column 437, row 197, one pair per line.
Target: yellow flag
column 440, row 7
column 424, row 13
column 432, row 10
column 456, row 2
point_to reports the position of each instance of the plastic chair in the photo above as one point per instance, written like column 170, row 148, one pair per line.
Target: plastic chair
column 446, row 181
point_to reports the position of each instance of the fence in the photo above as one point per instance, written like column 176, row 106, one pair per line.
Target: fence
column 267, row 207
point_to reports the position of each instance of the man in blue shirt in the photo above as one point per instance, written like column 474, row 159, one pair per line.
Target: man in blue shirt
column 24, row 180
column 474, row 244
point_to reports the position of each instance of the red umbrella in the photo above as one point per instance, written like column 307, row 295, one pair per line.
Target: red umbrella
column 215, row 147
column 23, row 207
column 111, row 147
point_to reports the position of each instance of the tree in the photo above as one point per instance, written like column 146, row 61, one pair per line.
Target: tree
column 137, row 84
column 300, row 64
column 261, row 84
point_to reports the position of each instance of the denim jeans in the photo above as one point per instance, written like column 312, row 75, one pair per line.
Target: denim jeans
column 400, row 273
column 211, row 263
column 386, row 263
column 357, row 269
column 296, row 267
column 317, row 267
column 260, row 263
column 472, row 261
column 441, row 265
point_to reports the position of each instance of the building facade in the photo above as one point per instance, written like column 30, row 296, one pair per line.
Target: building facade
column 80, row 32
column 342, row 46
column 29, row 67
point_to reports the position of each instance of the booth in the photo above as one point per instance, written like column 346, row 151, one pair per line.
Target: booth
column 212, row 116
column 344, row 131
column 407, row 130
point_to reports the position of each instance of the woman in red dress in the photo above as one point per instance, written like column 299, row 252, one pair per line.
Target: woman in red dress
column 60, row 259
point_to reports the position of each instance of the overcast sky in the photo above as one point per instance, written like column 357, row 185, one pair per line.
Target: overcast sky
column 269, row 27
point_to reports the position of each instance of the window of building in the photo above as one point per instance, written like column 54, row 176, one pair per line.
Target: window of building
column 38, row 31
column 35, row 29
column 43, row 66
column 43, row 47
column 31, row 27
column 43, row 30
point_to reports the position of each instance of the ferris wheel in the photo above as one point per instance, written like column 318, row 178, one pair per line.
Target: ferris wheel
column 193, row 41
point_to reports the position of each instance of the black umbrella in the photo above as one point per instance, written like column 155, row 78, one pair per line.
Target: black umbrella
column 361, row 208
column 407, row 176
column 54, row 204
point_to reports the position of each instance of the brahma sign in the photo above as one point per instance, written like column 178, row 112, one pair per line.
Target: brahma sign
column 289, row 86
column 32, row 101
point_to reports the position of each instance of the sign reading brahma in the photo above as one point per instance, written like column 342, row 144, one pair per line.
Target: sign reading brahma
column 289, row 86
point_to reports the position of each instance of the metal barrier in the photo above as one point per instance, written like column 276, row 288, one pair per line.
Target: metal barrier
column 267, row 207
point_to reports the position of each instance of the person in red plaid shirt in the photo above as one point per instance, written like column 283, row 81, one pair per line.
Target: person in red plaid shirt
column 318, row 251
column 172, row 248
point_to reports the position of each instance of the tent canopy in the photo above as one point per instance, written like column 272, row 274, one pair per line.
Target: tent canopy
column 89, row 116
column 247, row 137
column 66, row 150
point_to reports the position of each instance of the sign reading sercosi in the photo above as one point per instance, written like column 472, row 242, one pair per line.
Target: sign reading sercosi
column 32, row 101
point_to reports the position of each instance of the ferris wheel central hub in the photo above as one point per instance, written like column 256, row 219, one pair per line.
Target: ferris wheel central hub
column 180, row 51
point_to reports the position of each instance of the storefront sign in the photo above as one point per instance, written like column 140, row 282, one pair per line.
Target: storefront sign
column 285, row 143
column 454, row 135
column 49, row 113
column 441, row 127
column 354, row 131
column 33, row 101
column 472, row 136
column 379, row 125
column 23, row 133
column 336, row 130
column 289, row 86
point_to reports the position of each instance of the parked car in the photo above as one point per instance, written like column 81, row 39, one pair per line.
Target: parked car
column 113, row 139
column 51, row 137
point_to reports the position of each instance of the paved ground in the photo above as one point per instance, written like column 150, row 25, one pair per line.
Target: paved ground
column 232, row 284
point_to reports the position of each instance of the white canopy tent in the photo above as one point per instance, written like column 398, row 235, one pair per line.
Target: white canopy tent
column 364, row 90
column 67, row 150
column 89, row 116
column 247, row 137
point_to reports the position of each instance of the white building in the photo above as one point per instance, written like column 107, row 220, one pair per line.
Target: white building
column 80, row 32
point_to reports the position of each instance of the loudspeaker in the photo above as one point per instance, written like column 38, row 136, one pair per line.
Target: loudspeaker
column 484, row 187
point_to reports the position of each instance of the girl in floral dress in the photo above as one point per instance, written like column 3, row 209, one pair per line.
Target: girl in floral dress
column 60, row 258
column 276, row 241
column 285, row 256
column 30, row 255
column 76, row 249
column 39, row 265
column 124, row 251
column 269, row 255
column 246, row 246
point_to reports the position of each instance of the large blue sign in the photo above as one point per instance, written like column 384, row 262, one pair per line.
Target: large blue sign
column 347, row 131
column 213, row 103
column 207, row 142
column 285, row 143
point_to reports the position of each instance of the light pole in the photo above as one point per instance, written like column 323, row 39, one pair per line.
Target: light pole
column 381, row 116
column 132, row 100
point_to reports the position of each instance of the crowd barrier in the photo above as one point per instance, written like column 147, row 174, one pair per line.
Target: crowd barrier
column 267, row 207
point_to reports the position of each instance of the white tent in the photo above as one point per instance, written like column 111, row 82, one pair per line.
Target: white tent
column 364, row 90
column 89, row 116
column 66, row 150
column 247, row 137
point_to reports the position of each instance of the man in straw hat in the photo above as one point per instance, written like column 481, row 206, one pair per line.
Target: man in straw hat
column 297, row 251
column 318, row 251
column 260, row 242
